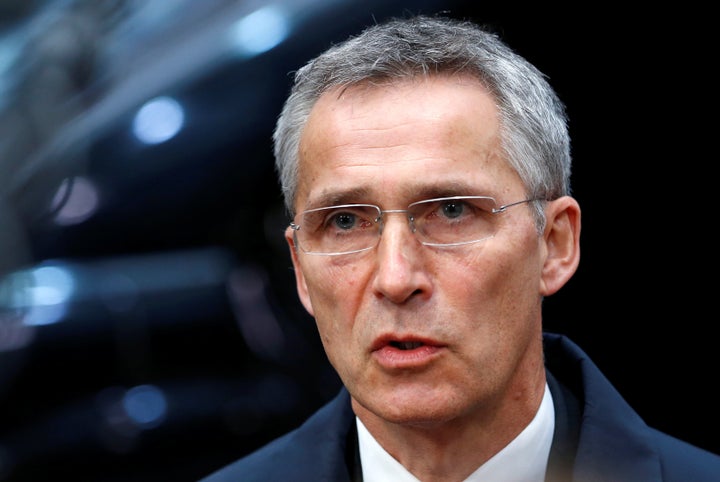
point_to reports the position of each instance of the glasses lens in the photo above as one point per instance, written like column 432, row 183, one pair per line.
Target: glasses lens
column 338, row 229
column 454, row 220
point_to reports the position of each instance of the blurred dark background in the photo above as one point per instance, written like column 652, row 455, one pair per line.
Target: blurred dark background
column 149, row 327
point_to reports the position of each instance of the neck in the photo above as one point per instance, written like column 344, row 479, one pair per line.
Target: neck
column 451, row 450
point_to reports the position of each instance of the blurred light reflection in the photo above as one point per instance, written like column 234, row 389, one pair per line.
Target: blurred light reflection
column 159, row 120
column 75, row 201
column 260, row 31
column 44, row 294
column 145, row 405
column 40, row 295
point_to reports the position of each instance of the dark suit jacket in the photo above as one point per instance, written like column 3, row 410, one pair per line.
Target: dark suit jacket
column 598, row 437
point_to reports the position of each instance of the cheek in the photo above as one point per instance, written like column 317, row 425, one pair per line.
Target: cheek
column 498, row 280
column 517, row 287
column 336, row 293
column 335, row 290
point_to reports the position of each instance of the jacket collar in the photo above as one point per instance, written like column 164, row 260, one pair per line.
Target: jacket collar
column 612, row 441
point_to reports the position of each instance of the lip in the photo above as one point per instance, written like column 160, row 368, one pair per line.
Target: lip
column 388, row 351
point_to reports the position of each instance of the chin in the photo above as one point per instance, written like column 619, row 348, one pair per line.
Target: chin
column 415, row 409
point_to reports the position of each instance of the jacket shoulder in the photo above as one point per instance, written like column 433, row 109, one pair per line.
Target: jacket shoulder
column 614, row 442
column 683, row 461
column 315, row 451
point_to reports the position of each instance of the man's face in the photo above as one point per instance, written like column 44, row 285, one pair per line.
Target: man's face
column 473, row 311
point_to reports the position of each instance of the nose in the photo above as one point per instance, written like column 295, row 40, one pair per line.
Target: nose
column 401, row 272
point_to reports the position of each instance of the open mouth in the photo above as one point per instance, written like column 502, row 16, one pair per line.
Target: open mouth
column 406, row 345
column 406, row 352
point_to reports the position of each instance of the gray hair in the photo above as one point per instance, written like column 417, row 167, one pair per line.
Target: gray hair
column 533, row 122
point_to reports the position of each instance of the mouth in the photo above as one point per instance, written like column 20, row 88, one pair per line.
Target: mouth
column 402, row 342
column 406, row 345
column 406, row 352
column 395, row 352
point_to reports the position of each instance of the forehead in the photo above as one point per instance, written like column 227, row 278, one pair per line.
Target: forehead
column 402, row 140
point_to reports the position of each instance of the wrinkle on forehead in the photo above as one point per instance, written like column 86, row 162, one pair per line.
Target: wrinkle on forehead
column 366, row 135
column 355, row 103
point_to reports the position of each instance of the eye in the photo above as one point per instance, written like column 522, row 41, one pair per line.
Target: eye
column 344, row 220
column 453, row 209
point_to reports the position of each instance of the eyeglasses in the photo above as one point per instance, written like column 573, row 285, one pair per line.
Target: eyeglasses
column 440, row 222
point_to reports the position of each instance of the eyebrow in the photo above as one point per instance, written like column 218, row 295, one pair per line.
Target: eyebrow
column 448, row 189
column 335, row 198
column 412, row 193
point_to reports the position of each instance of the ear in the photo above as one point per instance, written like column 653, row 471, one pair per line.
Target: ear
column 300, row 283
column 562, row 244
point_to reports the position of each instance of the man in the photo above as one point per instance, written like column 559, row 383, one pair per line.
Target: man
column 427, row 169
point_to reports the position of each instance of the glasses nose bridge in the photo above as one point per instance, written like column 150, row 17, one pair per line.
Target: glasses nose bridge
column 408, row 216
